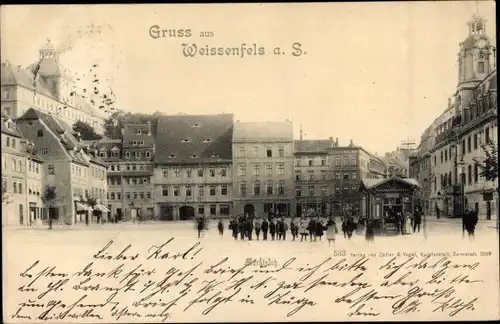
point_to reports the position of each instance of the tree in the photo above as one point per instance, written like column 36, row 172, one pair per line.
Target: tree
column 117, row 121
column 91, row 202
column 50, row 199
column 488, row 168
column 86, row 131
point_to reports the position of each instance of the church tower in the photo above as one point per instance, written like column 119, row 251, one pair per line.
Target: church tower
column 476, row 59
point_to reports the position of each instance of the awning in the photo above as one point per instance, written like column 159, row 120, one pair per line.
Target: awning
column 102, row 208
column 81, row 207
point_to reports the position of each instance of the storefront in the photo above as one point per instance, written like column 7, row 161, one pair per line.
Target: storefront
column 382, row 195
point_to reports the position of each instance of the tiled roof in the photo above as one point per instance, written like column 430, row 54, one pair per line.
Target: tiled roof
column 130, row 135
column 13, row 75
column 194, row 138
column 371, row 183
column 262, row 131
column 312, row 145
column 48, row 66
column 13, row 130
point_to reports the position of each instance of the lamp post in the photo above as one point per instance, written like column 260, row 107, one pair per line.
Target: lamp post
column 461, row 165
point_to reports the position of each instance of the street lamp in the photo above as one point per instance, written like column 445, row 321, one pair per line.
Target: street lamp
column 461, row 164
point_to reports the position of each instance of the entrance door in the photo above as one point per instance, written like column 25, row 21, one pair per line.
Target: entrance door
column 249, row 209
column 166, row 213
column 133, row 214
column 186, row 212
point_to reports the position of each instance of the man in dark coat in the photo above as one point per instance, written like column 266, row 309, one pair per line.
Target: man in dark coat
column 417, row 219
column 233, row 226
column 249, row 227
column 264, row 226
column 242, row 227
column 272, row 229
column 470, row 221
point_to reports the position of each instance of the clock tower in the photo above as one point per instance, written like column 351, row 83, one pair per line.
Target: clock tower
column 474, row 61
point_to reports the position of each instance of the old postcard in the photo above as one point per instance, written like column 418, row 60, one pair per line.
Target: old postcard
column 250, row 162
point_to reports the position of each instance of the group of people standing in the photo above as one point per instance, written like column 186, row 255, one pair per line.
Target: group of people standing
column 406, row 223
column 276, row 229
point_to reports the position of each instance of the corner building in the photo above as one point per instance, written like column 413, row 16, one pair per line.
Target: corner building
column 263, row 162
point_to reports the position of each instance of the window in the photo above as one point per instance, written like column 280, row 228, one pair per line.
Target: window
column 243, row 188
column 269, row 152
column 311, row 190
column 112, row 195
column 281, row 188
column 176, row 191
column 311, row 162
column 476, row 172
column 281, row 169
column 223, row 172
column 323, row 162
column 311, row 175
column 118, row 196
column 189, row 192
column 445, row 155
column 243, row 170
column 323, row 174
column 223, row 190
column 127, row 195
column 127, row 155
column 468, row 144
column 346, row 161
column 463, row 146
column 298, row 191
column 51, row 169
column 487, row 135
column 20, row 188
column 269, row 187
column 211, row 171
column 212, row 190
column 281, row 151
column 242, row 152
column 20, row 163
column 177, row 172
column 337, row 175
column 297, row 162
column 148, row 154
column 13, row 143
column 256, row 152
column 44, row 151
column 201, row 191
column 200, row 172
column 224, row 209
column 256, row 170
column 14, row 185
column 6, row 94
column 141, row 195
column 164, row 190
column 165, row 172
column 189, row 172
column 40, row 133
column 346, row 176
column 256, row 188
column 337, row 161
column 8, row 141
column 297, row 175
column 475, row 141
column 269, row 169
column 324, row 191
column 480, row 67
column 353, row 161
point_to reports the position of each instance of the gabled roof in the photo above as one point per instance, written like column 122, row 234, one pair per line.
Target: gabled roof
column 372, row 183
column 263, row 131
column 10, row 128
column 14, row 75
column 312, row 146
column 194, row 138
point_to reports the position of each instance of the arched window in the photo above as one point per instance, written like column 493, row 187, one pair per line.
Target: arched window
column 469, row 173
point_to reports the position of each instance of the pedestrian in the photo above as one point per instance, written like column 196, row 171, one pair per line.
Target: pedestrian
column 279, row 229
column 264, row 226
column 417, row 220
column 257, row 227
column 293, row 227
column 370, row 232
column 303, row 224
column 312, row 229
column 350, row 227
column 249, row 227
column 221, row 227
column 331, row 230
column 319, row 228
column 285, row 227
column 272, row 229
column 471, row 220
column 344, row 227
column 408, row 217
column 233, row 226
column 242, row 227
column 201, row 226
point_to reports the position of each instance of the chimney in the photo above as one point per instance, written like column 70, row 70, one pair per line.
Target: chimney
column 351, row 143
column 149, row 127
column 337, row 142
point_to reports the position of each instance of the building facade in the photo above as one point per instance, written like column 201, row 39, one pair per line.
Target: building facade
column 263, row 168
column 193, row 166
column 469, row 121
column 75, row 172
column 49, row 87
column 313, row 178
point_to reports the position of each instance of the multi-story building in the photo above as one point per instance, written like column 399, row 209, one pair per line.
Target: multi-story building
column 49, row 87
column 34, row 185
column 420, row 169
column 73, row 171
column 313, row 179
column 347, row 172
column 193, row 166
column 136, row 171
column 263, row 163
column 14, row 198
column 468, row 121
column 377, row 169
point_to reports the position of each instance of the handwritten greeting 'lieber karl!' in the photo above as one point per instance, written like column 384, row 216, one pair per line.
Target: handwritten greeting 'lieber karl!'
column 156, row 284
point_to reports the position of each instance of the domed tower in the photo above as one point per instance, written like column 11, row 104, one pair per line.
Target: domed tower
column 48, row 67
column 475, row 60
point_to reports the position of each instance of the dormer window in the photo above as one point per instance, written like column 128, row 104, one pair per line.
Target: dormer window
column 40, row 133
column 141, row 142
column 134, row 142
column 138, row 132
column 171, row 156
column 215, row 155
column 207, row 140
column 185, row 140
column 196, row 125
column 194, row 156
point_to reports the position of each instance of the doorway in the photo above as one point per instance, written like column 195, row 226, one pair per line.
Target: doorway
column 249, row 209
column 186, row 213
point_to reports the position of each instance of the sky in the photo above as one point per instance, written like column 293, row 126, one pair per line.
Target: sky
column 373, row 73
